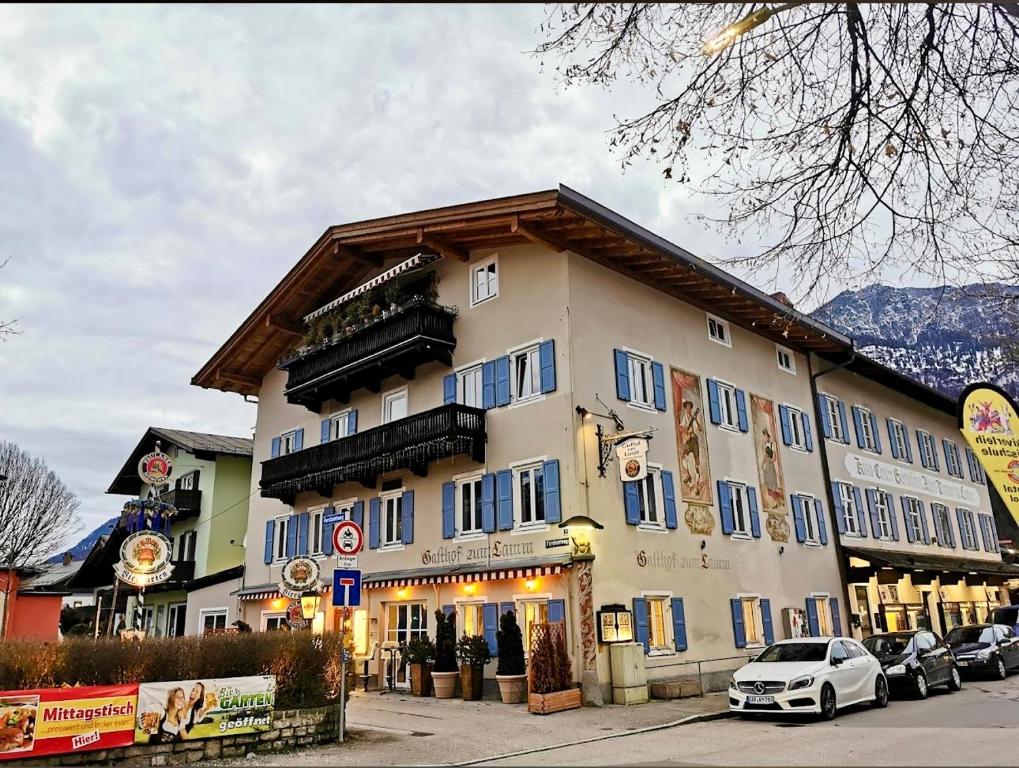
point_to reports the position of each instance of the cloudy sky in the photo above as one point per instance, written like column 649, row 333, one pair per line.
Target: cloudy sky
column 162, row 168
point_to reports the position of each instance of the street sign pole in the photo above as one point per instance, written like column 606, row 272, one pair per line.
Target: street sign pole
column 346, row 592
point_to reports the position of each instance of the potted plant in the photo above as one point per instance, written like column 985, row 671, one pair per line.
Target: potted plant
column 511, row 671
column 419, row 654
column 473, row 653
column 444, row 671
column 551, row 689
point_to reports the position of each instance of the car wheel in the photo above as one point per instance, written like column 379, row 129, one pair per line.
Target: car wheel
column 999, row 669
column 920, row 685
column 955, row 680
column 828, row 705
column 881, row 692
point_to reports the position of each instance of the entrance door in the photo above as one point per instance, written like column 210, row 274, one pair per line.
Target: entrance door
column 863, row 610
column 176, row 622
column 404, row 622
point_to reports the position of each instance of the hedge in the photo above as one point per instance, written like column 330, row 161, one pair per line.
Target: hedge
column 306, row 666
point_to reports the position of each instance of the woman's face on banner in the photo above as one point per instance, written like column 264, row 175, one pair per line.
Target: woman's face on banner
column 196, row 692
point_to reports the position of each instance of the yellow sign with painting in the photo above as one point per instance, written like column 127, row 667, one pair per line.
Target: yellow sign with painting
column 989, row 421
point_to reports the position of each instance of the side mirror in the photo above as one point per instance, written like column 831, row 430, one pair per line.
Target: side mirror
column 836, row 661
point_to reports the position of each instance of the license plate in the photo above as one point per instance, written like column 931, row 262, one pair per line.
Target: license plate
column 760, row 699
column 962, row 663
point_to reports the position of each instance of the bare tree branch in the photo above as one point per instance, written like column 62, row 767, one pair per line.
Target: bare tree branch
column 7, row 327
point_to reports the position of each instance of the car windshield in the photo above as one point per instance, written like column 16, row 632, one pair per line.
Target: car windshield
column 888, row 645
column 795, row 652
column 961, row 635
column 1008, row 616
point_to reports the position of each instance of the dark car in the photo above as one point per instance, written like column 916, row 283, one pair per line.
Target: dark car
column 990, row 649
column 1005, row 614
column 915, row 661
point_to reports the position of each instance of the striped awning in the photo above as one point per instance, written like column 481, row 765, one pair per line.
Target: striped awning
column 268, row 592
column 405, row 266
column 463, row 575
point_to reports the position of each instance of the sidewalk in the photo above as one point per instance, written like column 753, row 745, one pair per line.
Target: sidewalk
column 398, row 729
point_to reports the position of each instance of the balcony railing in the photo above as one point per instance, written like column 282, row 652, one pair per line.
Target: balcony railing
column 419, row 333
column 409, row 443
column 183, row 570
column 187, row 502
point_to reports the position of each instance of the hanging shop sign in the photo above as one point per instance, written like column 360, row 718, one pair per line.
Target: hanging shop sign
column 299, row 575
column 615, row 624
column 62, row 721
column 144, row 559
column 295, row 616
column 989, row 421
column 203, row 709
column 155, row 468
column 632, row 455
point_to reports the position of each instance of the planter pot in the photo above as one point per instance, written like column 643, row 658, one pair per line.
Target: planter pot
column 471, row 680
column 512, row 688
column 547, row 703
column 420, row 679
column 444, row 684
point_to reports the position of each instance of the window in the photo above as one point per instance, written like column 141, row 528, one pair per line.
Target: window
column 752, row 623
column 213, row 620
column 740, row 509
column 406, row 622
column 718, row 331
column 912, row 513
column 529, row 498
column 469, row 387
column 394, row 405
column 786, row 359
column 526, row 372
column 823, row 607
column 276, row 622
column 810, row 535
column 953, row 461
column 339, row 425
column 928, row 452
column 186, row 545
column 280, row 538
column 659, row 624
column 976, row 472
column 146, row 619
column 943, row 525
column 727, row 411
column 989, row 533
column 288, row 442
column 641, row 384
column 484, row 281
column 392, row 520
column 649, row 499
column 834, row 422
column 188, row 482
column 839, row 652
column 468, row 499
column 865, row 428
column 533, row 612
column 900, row 440
column 794, row 425
column 882, row 508
column 967, row 531
column 850, row 514
column 471, row 620
column 315, row 531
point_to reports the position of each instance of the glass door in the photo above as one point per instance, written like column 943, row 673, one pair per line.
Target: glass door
column 176, row 622
column 404, row 622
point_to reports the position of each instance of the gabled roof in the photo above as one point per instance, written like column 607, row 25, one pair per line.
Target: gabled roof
column 127, row 480
column 52, row 574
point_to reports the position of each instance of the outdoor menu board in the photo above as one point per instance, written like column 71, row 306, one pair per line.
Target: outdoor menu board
column 202, row 709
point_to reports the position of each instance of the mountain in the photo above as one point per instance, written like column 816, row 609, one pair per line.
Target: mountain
column 83, row 547
column 946, row 337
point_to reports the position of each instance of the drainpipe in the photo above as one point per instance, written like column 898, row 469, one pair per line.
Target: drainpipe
column 822, row 444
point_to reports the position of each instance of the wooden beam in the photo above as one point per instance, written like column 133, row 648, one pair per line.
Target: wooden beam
column 356, row 254
column 277, row 323
column 537, row 236
column 238, row 378
column 442, row 247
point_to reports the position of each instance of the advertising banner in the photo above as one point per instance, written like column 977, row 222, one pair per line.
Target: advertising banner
column 990, row 424
column 60, row 721
column 204, row 709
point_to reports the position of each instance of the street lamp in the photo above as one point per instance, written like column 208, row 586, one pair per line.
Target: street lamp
column 309, row 604
column 737, row 29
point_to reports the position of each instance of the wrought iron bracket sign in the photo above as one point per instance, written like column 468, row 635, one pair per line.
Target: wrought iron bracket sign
column 607, row 444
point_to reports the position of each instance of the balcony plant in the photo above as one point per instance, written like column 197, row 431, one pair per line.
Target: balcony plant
column 551, row 689
column 444, row 671
column 473, row 653
column 419, row 654
column 511, row 671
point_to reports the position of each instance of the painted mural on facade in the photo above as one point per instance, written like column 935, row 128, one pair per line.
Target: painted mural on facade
column 692, row 448
column 769, row 467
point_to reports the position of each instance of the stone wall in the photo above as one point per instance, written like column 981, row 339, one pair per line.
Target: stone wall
column 290, row 729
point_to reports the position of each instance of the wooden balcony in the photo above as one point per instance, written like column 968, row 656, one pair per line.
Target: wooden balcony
column 187, row 502
column 416, row 334
column 410, row 443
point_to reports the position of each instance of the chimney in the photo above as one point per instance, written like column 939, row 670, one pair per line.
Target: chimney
column 781, row 298
column 68, row 557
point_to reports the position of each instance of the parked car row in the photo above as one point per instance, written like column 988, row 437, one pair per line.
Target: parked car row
column 821, row 675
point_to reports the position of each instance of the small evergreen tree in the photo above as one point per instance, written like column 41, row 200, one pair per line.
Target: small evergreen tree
column 445, row 642
column 511, row 646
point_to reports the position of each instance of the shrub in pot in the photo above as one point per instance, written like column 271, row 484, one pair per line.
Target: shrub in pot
column 419, row 654
column 551, row 689
column 473, row 653
column 511, row 671
column 444, row 670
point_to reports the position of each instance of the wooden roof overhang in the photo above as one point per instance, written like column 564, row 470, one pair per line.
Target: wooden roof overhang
column 561, row 219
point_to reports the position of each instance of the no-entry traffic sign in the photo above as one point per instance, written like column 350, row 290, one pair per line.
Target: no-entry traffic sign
column 348, row 538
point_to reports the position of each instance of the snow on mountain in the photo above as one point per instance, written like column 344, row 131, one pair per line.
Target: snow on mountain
column 80, row 550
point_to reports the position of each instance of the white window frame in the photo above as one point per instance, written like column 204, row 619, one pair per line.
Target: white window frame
column 884, row 520
column 474, row 296
column 799, row 440
column 668, row 625
column 173, row 609
column 280, row 532
column 779, row 351
column 728, row 412
column 288, row 439
column 639, row 364
column 812, row 535
column 900, row 435
column 867, row 421
column 335, row 420
column 458, row 482
column 187, row 482
column 532, row 352
column 461, row 375
column 971, row 529
column 824, row 617
column 475, row 604
column 280, row 618
column 652, row 482
column 204, row 613
column 743, row 488
column 518, row 469
column 755, row 600
column 391, row 395
column 956, row 458
column 831, row 404
column 385, row 542
column 923, row 436
column 520, row 607
column 850, row 514
column 912, row 517
column 314, row 513
column 726, row 340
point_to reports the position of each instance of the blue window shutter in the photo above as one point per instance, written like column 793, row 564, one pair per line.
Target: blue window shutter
column 808, row 435
column 292, row 526
column 875, row 521
column 858, row 425
column 357, row 514
column 812, row 625
column 669, row 495
column 755, row 515
column 948, row 456
column 738, row 632
column 725, row 506
column 714, row 409
column 505, row 608
column 658, row 379
column 490, row 617
column 324, row 430
column 631, row 503
column 891, row 439
column 622, row 375
column 960, row 518
column 843, row 422
column 299, row 440
column 949, row 531
column 992, row 526
column 556, row 611
column 910, row 531
column 448, row 510
column 925, row 533
column 546, row 359
column 785, row 419
column 352, row 422
column 448, row 610
column 504, row 499
column 741, row 410
column 679, row 623
column 488, row 385
column 407, row 513
column 923, row 449
column 909, row 448
column 327, row 532
column 270, row 530
column 488, row 503
column 938, row 533
column 861, row 511
column 876, row 432
column 640, row 623
column 303, row 523
column 836, row 618
column 893, row 518
column 275, row 450
column 374, row 519
column 840, row 510
column 822, row 406
column 502, row 380
column 553, row 498
column 822, row 527
column 769, row 628
column 798, row 522
column 449, row 388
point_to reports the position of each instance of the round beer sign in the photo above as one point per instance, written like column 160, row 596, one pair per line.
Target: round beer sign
column 299, row 575
column 144, row 559
column 155, row 468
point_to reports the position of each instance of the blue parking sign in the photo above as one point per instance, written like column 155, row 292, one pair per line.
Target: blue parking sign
column 346, row 588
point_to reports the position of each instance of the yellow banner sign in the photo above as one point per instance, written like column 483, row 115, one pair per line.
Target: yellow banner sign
column 989, row 421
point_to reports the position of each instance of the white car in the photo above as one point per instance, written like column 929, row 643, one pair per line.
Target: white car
column 814, row 675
